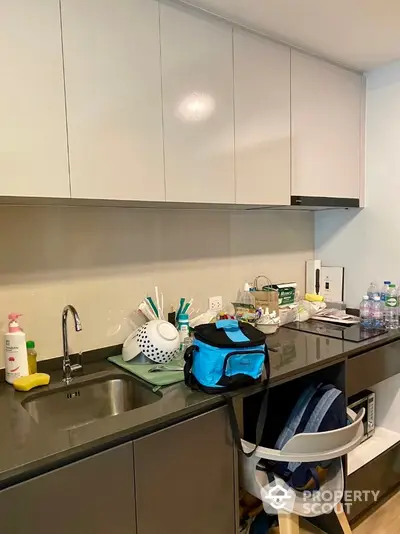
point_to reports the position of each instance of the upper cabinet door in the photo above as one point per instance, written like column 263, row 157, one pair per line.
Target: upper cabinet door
column 197, row 76
column 326, row 129
column 113, row 88
column 262, row 120
column 33, row 142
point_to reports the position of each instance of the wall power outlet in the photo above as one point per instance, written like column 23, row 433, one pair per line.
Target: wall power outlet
column 215, row 303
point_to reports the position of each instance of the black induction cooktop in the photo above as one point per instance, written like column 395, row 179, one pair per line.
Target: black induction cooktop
column 353, row 333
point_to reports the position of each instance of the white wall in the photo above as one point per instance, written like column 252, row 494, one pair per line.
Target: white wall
column 105, row 260
column 366, row 242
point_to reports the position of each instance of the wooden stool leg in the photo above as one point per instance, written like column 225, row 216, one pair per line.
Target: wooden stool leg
column 342, row 517
column 288, row 523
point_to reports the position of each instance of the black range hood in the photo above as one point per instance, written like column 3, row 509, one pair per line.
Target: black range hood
column 324, row 202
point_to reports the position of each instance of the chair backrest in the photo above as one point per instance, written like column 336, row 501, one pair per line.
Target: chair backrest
column 327, row 445
column 316, row 447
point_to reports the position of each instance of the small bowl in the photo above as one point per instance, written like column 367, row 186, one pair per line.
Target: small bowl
column 267, row 328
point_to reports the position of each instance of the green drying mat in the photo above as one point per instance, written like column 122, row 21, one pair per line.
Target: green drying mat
column 160, row 378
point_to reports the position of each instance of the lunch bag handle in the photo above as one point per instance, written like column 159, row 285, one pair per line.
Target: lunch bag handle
column 188, row 367
column 261, row 420
column 227, row 324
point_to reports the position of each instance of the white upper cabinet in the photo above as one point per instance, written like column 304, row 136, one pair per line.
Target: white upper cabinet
column 197, row 75
column 262, row 120
column 33, row 142
column 326, row 129
column 113, row 88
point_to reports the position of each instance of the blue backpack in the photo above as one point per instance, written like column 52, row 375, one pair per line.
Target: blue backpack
column 225, row 356
column 320, row 408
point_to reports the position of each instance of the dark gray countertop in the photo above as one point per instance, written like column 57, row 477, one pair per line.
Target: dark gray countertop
column 27, row 449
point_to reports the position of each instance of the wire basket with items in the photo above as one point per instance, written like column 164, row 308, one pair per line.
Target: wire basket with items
column 259, row 306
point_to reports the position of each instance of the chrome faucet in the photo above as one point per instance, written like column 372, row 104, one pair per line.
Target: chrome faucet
column 67, row 367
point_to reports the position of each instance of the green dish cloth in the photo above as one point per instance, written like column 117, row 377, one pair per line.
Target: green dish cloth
column 159, row 378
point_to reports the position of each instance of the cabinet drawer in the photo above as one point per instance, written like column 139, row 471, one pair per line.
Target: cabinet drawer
column 367, row 369
column 382, row 474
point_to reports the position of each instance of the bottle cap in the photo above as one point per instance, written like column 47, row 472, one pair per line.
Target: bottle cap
column 392, row 285
column 377, row 298
column 387, row 282
column 13, row 325
column 183, row 317
column 365, row 297
column 30, row 344
column 14, row 316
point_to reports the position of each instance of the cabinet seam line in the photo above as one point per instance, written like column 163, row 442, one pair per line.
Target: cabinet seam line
column 290, row 128
column 234, row 116
column 65, row 98
column 162, row 102
column 135, row 488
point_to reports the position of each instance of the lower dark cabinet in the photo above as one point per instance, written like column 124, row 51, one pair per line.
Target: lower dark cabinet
column 178, row 480
column 92, row 496
column 185, row 478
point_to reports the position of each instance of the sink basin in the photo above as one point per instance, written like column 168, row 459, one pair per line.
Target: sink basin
column 84, row 402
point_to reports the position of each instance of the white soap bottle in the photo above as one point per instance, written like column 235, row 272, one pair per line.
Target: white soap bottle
column 15, row 353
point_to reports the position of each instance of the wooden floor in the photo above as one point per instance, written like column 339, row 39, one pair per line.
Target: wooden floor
column 384, row 520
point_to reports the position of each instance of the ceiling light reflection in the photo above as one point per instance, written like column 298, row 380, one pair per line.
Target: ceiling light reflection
column 196, row 107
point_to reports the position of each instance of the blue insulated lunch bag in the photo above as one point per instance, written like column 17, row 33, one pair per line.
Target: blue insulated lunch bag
column 225, row 356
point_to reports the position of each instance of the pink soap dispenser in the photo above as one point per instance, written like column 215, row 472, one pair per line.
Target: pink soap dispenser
column 15, row 353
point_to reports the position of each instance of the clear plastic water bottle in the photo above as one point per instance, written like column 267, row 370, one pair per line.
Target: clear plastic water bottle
column 365, row 312
column 385, row 290
column 372, row 291
column 377, row 312
column 392, row 308
column 183, row 329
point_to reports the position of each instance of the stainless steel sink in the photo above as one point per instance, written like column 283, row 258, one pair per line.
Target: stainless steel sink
column 84, row 402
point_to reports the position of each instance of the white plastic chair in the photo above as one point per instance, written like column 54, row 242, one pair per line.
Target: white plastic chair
column 316, row 447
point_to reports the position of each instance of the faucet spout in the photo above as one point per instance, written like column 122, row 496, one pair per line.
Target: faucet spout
column 67, row 367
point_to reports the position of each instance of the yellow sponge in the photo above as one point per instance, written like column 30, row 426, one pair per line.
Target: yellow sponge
column 26, row 383
column 313, row 298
